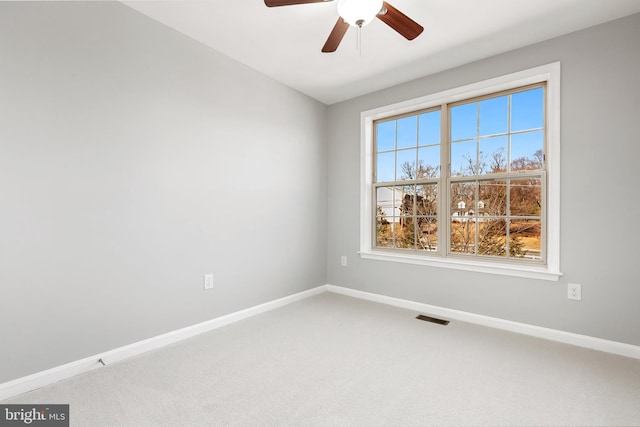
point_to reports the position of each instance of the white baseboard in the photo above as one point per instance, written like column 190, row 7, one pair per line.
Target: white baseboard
column 614, row 347
column 50, row 376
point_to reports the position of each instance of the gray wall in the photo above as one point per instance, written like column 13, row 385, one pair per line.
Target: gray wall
column 132, row 161
column 600, row 155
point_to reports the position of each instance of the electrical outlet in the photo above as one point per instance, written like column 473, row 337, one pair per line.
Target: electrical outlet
column 574, row 291
column 343, row 260
column 208, row 281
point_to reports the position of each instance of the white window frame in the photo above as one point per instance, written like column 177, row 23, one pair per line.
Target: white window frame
column 550, row 74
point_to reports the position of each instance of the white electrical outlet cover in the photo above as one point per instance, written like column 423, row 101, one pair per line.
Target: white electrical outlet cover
column 208, row 281
column 574, row 292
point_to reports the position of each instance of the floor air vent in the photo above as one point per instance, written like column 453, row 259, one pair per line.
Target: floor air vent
column 432, row 320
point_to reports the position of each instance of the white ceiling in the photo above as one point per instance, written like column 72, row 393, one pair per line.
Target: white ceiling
column 285, row 42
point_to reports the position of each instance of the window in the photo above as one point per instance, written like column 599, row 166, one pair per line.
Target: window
column 467, row 178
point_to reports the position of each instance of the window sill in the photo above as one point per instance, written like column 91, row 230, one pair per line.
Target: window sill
column 527, row 271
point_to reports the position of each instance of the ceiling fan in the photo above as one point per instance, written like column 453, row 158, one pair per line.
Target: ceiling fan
column 359, row 13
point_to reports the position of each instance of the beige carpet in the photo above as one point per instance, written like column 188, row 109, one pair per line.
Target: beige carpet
column 332, row 360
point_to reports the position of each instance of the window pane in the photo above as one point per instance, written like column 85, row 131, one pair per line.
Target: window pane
column 384, row 233
column 464, row 121
column 427, row 220
column 407, row 206
column 463, row 236
column 525, row 238
column 463, row 196
column 388, row 201
column 492, row 237
column 494, row 117
column 527, row 110
column 525, row 197
column 492, row 198
column 407, row 132
column 429, row 130
column 385, row 166
column 427, row 200
column 386, row 135
column 406, row 165
column 427, row 230
column 429, row 162
column 526, row 151
column 405, row 233
column 493, row 155
column 463, row 158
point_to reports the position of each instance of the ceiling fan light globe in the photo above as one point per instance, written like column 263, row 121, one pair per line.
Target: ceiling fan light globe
column 359, row 12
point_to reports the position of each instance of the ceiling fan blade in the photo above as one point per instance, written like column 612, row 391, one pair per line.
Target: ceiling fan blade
column 407, row 27
column 334, row 39
column 276, row 3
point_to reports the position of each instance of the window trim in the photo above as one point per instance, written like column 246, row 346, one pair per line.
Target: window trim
column 550, row 74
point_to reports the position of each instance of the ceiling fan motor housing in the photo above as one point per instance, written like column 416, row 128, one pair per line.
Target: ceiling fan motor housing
column 359, row 12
